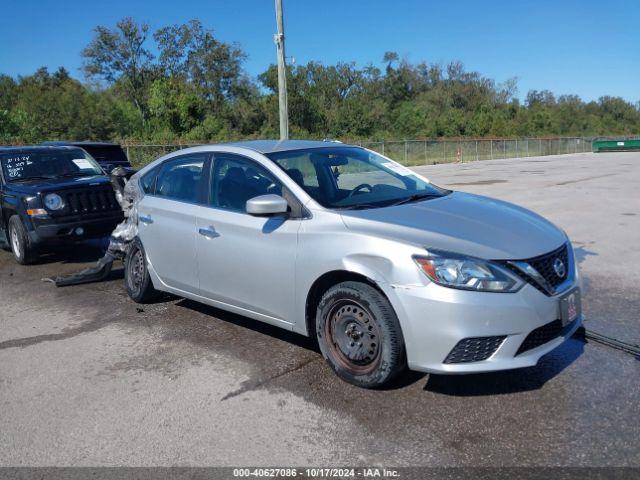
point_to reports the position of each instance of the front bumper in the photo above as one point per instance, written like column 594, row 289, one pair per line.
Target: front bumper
column 53, row 230
column 434, row 319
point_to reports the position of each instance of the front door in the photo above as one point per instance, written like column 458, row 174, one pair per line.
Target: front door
column 167, row 220
column 245, row 261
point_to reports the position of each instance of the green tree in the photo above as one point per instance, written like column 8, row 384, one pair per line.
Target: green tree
column 119, row 55
column 214, row 67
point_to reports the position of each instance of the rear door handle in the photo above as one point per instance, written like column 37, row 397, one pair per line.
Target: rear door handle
column 208, row 232
column 145, row 219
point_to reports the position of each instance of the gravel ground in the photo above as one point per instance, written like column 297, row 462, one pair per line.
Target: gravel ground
column 89, row 378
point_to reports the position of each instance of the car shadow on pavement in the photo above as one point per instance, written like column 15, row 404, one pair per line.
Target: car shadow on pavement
column 508, row 381
column 581, row 254
column 405, row 379
column 251, row 324
column 84, row 252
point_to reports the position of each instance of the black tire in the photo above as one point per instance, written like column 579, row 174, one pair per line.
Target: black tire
column 23, row 249
column 136, row 275
column 359, row 335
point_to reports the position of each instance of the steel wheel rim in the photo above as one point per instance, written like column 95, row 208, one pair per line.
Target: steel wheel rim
column 136, row 270
column 353, row 337
column 15, row 243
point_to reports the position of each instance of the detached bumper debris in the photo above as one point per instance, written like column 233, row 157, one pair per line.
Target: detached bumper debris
column 127, row 193
column 96, row 273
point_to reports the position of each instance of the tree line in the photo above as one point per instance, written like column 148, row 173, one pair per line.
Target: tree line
column 194, row 88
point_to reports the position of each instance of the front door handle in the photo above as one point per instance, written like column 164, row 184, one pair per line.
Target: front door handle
column 145, row 219
column 208, row 232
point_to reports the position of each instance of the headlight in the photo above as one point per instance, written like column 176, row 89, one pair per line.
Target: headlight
column 53, row 201
column 466, row 273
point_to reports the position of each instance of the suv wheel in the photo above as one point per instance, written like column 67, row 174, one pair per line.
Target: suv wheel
column 21, row 246
column 136, row 274
column 359, row 334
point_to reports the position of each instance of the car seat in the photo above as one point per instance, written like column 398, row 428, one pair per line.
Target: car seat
column 179, row 184
column 233, row 189
column 296, row 175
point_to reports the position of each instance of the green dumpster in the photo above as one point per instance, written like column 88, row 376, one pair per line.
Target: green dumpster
column 615, row 145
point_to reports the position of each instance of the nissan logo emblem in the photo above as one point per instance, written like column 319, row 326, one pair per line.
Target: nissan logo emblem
column 559, row 268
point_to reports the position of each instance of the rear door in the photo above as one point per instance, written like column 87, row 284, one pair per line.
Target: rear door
column 167, row 219
column 245, row 261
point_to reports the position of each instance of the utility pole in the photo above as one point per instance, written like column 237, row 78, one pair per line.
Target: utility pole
column 282, row 77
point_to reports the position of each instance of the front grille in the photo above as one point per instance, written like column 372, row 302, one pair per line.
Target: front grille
column 540, row 336
column 90, row 200
column 474, row 349
column 544, row 266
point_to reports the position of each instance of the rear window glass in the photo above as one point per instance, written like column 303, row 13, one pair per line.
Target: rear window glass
column 106, row 153
column 148, row 181
column 180, row 179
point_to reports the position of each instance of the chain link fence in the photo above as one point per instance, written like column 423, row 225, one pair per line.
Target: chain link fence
column 421, row 152
column 429, row 152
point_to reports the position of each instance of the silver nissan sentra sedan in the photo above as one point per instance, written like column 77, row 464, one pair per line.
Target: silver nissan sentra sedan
column 385, row 269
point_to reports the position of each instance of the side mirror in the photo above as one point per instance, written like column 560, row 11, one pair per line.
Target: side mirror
column 266, row 205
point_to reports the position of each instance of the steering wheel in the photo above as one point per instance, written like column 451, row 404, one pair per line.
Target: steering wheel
column 358, row 188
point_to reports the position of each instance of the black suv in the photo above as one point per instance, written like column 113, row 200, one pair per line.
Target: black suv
column 108, row 155
column 52, row 195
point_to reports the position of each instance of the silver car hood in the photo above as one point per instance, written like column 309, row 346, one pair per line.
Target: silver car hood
column 463, row 223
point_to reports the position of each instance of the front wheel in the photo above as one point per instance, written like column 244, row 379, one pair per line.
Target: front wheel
column 136, row 275
column 23, row 250
column 359, row 334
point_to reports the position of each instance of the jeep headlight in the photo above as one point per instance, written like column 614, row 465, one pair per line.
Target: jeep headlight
column 53, row 201
column 466, row 273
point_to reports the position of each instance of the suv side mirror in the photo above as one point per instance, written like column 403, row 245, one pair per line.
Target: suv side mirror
column 267, row 205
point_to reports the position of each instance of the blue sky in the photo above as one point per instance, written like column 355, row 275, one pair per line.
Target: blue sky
column 587, row 47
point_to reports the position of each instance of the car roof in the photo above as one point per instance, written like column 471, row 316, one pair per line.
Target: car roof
column 271, row 146
column 35, row 148
column 80, row 143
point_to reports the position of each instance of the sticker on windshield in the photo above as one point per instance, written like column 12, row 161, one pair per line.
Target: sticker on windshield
column 82, row 163
column 15, row 165
column 399, row 169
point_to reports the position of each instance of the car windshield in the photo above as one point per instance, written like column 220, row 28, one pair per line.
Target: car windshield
column 48, row 163
column 352, row 177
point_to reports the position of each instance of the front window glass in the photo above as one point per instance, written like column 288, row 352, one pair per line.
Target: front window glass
column 352, row 177
column 47, row 164
column 236, row 180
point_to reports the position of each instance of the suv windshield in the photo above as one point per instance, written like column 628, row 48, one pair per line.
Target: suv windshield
column 49, row 163
column 352, row 177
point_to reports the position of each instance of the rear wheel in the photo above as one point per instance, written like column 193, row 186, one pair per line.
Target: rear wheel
column 23, row 250
column 359, row 334
column 136, row 274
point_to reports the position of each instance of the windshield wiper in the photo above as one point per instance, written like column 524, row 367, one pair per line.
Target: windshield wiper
column 359, row 206
column 412, row 198
column 33, row 177
column 415, row 198
column 67, row 175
